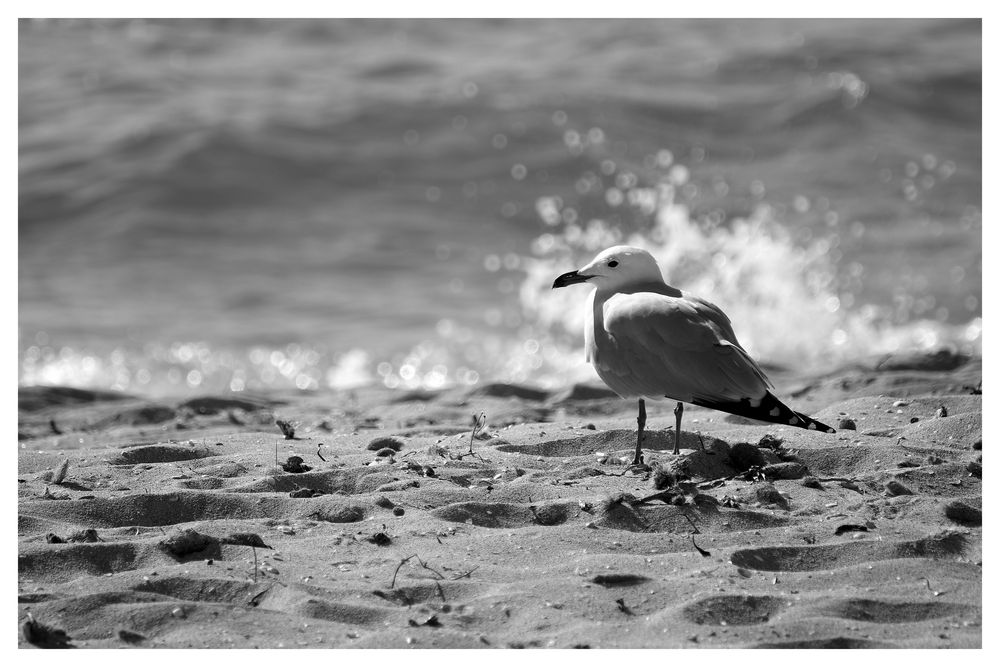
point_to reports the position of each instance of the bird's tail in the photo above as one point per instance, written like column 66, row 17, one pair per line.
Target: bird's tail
column 768, row 409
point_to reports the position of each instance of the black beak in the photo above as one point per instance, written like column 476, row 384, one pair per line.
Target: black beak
column 571, row 278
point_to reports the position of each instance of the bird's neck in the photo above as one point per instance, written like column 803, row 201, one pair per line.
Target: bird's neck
column 654, row 286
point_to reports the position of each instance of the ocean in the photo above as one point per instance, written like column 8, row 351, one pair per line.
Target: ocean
column 249, row 205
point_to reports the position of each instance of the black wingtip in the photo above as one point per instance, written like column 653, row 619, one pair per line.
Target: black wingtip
column 768, row 409
column 814, row 425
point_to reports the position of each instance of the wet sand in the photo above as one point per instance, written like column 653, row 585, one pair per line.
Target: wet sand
column 189, row 523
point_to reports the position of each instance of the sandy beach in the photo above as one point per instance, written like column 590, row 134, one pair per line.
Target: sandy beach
column 190, row 523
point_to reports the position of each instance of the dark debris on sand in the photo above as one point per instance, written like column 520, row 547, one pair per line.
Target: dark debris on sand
column 295, row 464
column 44, row 636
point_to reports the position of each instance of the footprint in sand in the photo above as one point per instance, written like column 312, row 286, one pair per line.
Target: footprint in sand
column 891, row 611
column 831, row 642
column 733, row 610
column 159, row 454
column 507, row 515
column 211, row 590
column 63, row 562
column 166, row 509
column 829, row 557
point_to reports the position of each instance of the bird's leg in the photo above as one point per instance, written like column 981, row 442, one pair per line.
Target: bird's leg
column 638, row 438
column 678, row 412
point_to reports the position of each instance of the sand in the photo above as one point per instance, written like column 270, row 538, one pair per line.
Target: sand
column 172, row 526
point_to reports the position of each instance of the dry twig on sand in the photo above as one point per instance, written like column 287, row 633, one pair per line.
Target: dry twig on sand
column 392, row 584
column 477, row 423
column 694, row 526
column 255, row 599
column 426, row 567
column 623, row 608
column 704, row 552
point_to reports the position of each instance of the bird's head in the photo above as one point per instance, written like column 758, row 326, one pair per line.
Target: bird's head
column 614, row 269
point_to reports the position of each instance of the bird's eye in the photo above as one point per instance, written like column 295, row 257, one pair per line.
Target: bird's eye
column 613, row 263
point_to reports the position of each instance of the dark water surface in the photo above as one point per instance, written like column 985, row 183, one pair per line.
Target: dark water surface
column 251, row 204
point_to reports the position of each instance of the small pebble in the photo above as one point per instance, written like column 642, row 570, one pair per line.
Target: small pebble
column 398, row 511
column 894, row 488
column 129, row 636
column 942, row 411
column 177, row 612
column 847, row 424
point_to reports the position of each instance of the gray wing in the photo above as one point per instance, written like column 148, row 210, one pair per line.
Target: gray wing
column 682, row 347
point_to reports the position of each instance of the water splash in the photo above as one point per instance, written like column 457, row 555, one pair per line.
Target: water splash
column 786, row 300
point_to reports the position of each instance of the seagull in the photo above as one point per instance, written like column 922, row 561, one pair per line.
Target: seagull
column 647, row 339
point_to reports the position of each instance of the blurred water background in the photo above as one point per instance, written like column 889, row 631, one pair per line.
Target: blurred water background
column 216, row 205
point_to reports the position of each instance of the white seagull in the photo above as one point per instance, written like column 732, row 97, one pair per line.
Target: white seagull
column 647, row 339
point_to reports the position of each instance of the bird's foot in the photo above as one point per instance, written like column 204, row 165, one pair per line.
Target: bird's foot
column 638, row 463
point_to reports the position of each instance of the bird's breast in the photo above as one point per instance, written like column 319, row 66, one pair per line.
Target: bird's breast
column 593, row 329
column 597, row 341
